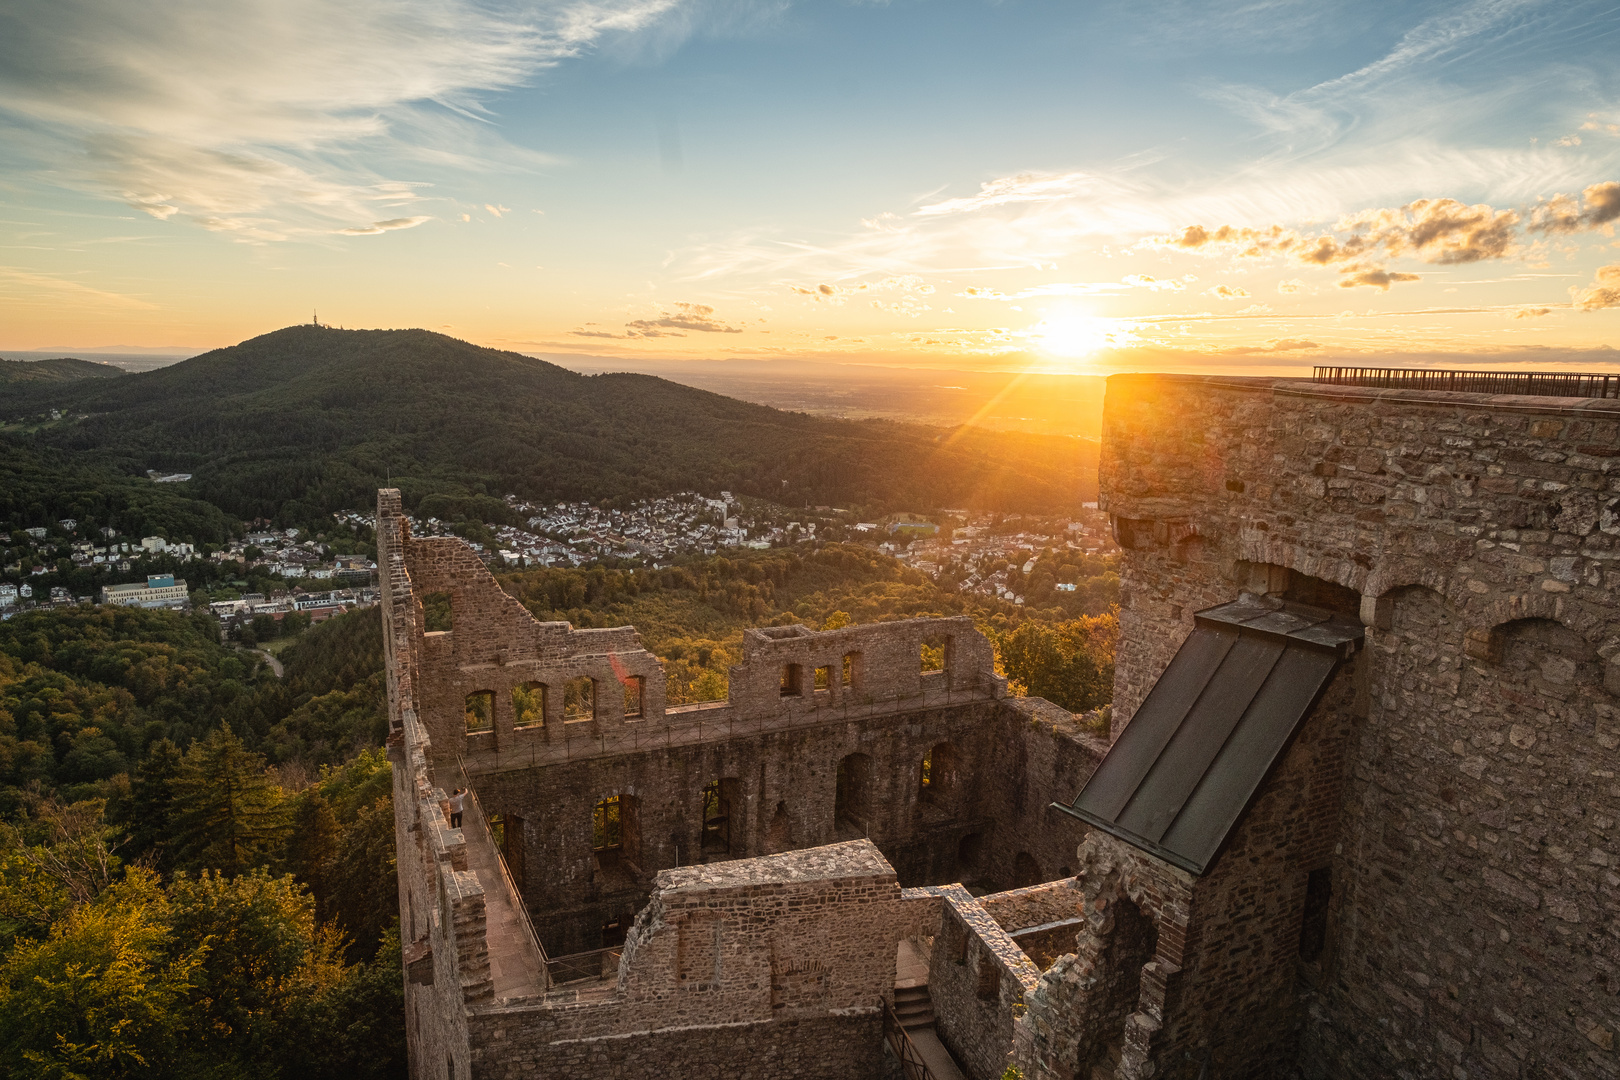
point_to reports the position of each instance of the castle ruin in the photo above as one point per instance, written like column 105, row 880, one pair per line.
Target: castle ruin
column 1354, row 818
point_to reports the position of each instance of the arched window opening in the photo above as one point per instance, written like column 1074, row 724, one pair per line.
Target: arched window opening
column 529, row 705
column 1026, row 871
column 480, row 711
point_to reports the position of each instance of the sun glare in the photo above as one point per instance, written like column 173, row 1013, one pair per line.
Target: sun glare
column 1073, row 335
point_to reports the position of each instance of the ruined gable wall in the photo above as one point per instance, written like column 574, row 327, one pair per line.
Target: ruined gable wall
column 495, row 645
column 1505, row 509
column 977, row 979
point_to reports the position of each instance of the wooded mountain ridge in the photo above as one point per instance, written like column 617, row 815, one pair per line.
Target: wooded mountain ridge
column 306, row 420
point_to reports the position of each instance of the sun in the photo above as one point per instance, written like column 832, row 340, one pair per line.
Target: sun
column 1073, row 335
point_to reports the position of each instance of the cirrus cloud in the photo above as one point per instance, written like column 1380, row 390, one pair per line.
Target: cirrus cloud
column 250, row 117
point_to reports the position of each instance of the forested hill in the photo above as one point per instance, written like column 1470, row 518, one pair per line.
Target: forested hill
column 309, row 419
column 56, row 370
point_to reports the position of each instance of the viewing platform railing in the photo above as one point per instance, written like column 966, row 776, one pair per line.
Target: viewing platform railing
column 1574, row 384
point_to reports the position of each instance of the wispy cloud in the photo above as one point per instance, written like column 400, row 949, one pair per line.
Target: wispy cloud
column 251, row 117
column 27, row 286
column 390, row 225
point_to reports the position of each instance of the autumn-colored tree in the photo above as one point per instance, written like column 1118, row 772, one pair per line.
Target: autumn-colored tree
column 1070, row 664
column 103, row 996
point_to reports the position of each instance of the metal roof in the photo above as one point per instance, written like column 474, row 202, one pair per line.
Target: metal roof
column 1186, row 767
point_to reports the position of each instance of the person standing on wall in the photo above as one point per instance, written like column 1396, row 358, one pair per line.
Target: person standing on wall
column 457, row 802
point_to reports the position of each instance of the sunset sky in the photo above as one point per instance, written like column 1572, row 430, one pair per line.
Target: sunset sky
column 1059, row 186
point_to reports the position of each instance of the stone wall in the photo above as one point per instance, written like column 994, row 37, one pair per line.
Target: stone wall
column 803, row 704
column 977, row 979
column 780, row 962
column 1472, row 863
column 787, row 955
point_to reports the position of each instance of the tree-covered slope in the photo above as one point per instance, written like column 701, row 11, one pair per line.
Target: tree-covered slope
column 59, row 369
column 310, row 419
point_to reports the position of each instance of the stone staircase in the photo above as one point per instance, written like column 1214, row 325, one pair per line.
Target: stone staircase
column 914, row 1008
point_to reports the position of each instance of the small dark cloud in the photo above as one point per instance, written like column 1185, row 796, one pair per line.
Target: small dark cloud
column 1376, row 277
column 684, row 317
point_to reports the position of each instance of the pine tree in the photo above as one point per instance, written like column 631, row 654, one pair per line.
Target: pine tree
column 151, row 802
column 228, row 813
column 312, row 848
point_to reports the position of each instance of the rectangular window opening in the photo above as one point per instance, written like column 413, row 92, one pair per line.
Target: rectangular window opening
column 480, row 711
column 579, row 700
column 437, row 615
column 529, row 705
column 823, row 680
column 607, row 827
column 792, row 680
column 852, row 670
column 634, row 696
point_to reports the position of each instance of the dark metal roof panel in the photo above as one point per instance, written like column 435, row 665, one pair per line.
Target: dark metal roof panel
column 1225, row 790
column 1187, row 756
column 1185, row 768
column 1157, row 720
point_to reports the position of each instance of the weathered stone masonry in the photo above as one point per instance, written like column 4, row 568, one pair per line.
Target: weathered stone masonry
column 773, row 955
column 1426, row 886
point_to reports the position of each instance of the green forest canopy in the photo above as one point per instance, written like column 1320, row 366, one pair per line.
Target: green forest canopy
column 198, row 867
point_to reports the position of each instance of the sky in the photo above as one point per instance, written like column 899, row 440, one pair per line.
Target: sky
column 1242, row 187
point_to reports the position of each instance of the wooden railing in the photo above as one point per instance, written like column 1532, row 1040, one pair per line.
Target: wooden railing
column 1575, row 384
column 912, row 1065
